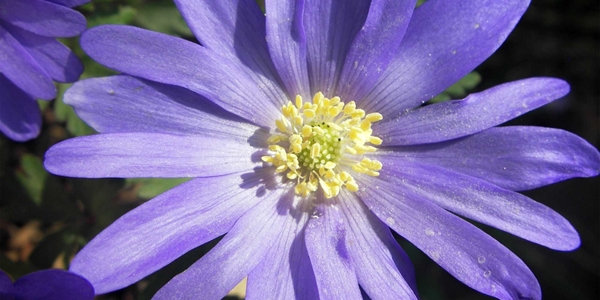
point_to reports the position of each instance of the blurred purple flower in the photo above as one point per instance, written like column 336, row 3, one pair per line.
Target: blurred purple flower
column 46, row 285
column 305, row 205
column 32, row 59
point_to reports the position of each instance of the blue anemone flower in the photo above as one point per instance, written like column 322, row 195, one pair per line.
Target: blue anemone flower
column 307, row 140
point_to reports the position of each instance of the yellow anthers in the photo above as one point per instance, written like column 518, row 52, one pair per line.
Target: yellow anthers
column 316, row 143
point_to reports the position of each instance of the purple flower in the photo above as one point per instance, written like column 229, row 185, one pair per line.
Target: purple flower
column 46, row 285
column 306, row 191
column 32, row 59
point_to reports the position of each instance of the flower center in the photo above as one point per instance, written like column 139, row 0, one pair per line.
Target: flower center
column 317, row 143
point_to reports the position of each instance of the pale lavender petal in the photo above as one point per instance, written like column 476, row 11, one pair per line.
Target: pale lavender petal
column 327, row 242
column 20, row 68
column 515, row 157
column 69, row 3
column 128, row 104
column 43, row 18
column 235, row 29
column 374, row 47
column 484, row 202
column 149, row 155
column 166, row 59
column 55, row 58
column 20, row 117
column 477, row 112
column 330, row 27
column 6, row 286
column 381, row 266
column 445, row 40
column 53, row 285
column 286, row 271
column 240, row 251
column 465, row 251
column 166, row 227
column 287, row 44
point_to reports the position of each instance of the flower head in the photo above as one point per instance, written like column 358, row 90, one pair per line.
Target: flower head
column 32, row 59
column 46, row 285
column 309, row 145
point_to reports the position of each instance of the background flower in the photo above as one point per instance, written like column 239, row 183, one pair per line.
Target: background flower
column 32, row 59
column 46, row 285
column 241, row 80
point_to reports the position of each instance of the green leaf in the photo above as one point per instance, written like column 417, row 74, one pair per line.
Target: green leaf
column 32, row 177
column 459, row 89
column 162, row 17
column 152, row 187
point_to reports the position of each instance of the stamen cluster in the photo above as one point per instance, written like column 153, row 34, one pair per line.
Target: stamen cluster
column 314, row 141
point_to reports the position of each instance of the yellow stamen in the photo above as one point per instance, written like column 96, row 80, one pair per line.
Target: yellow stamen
column 322, row 140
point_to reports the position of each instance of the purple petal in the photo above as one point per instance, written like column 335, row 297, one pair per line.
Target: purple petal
column 236, row 29
column 381, row 266
column 287, row 261
column 164, row 228
column 484, row 202
column 55, row 58
column 330, row 26
column 43, row 18
column 240, row 251
column 477, row 112
column 69, row 3
column 445, row 40
column 374, row 47
column 514, row 158
column 149, row 155
column 20, row 117
column 287, row 44
column 53, row 285
column 20, row 68
column 166, row 59
column 465, row 251
column 128, row 104
column 6, row 287
column 326, row 242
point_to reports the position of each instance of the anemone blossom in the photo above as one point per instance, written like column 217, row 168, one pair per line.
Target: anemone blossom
column 46, row 285
column 32, row 59
column 308, row 145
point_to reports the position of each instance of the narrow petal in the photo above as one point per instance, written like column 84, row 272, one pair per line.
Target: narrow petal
column 484, row 202
column 53, row 285
column 164, row 228
column 382, row 267
column 287, row 44
column 55, row 58
column 21, row 68
column 128, row 104
column 475, row 113
column 287, row 261
column 149, row 155
column 6, row 286
column 20, row 117
column 240, row 251
column 445, row 40
column 43, row 18
column 515, row 157
column 326, row 242
column 170, row 60
column 235, row 29
column 374, row 47
column 465, row 251
column 330, row 27
column 69, row 3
